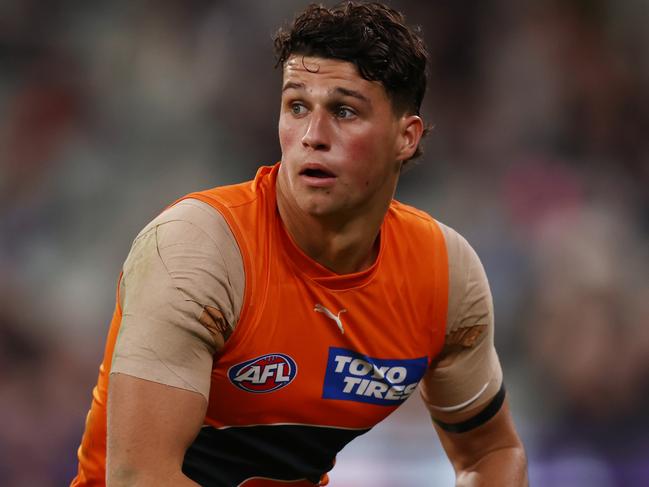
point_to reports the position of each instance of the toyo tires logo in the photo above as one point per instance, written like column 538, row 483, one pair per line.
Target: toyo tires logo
column 352, row 376
column 267, row 373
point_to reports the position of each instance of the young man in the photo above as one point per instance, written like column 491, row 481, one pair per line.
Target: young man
column 260, row 327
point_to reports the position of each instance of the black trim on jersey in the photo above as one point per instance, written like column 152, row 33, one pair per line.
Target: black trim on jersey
column 479, row 419
column 227, row 457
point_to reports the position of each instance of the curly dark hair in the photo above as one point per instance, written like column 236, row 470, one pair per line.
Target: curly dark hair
column 372, row 36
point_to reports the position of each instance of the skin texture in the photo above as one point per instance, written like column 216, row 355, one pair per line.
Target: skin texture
column 333, row 121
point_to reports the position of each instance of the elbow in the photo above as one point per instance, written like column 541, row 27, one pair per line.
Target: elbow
column 505, row 466
column 518, row 460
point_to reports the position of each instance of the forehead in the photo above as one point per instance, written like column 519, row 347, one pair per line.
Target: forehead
column 315, row 72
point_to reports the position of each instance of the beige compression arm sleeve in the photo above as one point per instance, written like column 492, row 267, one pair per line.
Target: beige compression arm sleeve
column 468, row 373
column 185, row 260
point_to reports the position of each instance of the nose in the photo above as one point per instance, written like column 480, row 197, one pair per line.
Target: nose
column 317, row 136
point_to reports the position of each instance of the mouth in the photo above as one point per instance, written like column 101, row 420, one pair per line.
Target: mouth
column 317, row 176
column 317, row 173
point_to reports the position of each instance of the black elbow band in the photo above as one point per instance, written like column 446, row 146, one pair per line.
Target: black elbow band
column 479, row 419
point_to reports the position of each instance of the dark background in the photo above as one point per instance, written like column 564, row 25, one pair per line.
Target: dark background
column 539, row 156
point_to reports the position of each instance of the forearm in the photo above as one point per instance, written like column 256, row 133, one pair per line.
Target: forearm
column 505, row 467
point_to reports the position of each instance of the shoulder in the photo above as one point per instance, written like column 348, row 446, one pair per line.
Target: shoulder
column 409, row 214
column 413, row 227
column 460, row 253
column 189, row 220
column 186, row 235
column 192, row 245
column 469, row 296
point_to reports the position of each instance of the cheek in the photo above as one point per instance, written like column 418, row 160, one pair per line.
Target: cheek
column 287, row 135
column 360, row 148
column 368, row 152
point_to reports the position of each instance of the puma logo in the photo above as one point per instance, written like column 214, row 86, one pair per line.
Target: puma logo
column 321, row 309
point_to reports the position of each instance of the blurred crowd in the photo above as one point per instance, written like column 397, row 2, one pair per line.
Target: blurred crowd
column 539, row 155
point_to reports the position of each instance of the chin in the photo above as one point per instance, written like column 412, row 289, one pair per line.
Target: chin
column 316, row 210
column 312, row 206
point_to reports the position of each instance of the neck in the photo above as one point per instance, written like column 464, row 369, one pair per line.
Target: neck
column 343, row 244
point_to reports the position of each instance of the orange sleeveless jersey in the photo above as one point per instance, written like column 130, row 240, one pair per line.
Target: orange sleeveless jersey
column 316, row 358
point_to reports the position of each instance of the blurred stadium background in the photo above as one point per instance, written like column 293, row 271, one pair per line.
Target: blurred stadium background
column 539, row 156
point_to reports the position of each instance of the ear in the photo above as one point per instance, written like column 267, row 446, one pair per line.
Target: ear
column 411, row 128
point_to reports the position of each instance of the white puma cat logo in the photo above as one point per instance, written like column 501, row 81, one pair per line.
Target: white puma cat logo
column 321, row 309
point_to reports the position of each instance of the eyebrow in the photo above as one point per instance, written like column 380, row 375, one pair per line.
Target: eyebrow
column 352, row 93
column 292, row 85
column 338, row 90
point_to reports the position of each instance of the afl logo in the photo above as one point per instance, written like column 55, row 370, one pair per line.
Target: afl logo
column 264, row 374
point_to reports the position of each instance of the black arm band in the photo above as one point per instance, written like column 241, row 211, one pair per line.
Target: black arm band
column 481, row 418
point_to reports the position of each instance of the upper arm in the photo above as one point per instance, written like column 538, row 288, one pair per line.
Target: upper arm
column 150, row 426
column 467, row 374
column 180, row 294
column 463, row 389
column 179, row 297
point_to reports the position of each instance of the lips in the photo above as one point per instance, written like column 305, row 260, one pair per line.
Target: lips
column 317, row 176
column 316, row 171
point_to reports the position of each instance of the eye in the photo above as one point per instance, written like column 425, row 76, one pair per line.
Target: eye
column 345, row 112
column 298, row 109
